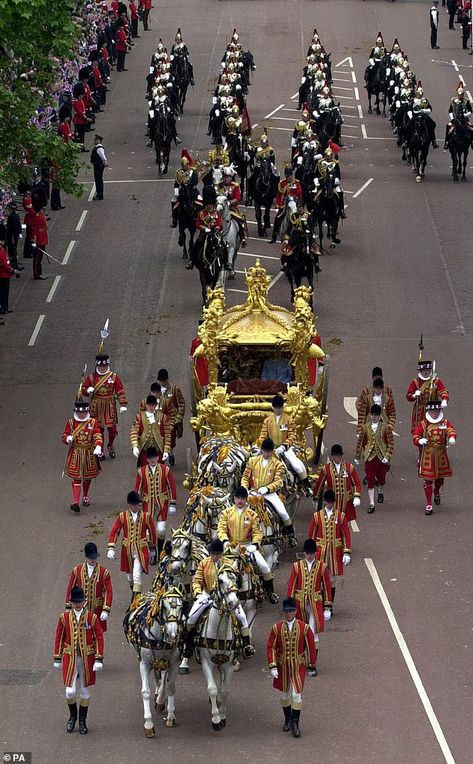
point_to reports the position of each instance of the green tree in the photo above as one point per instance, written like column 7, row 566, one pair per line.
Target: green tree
column 35, row 35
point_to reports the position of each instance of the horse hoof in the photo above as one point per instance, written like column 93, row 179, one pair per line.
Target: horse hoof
column 216, row 726
column 159, row 707
column 237, row 666
column 180, row 241
column 332, row 245
column 455, row 178
column 183, row 670
column 149, row 732
column 370, row 110
column 170, row 722
column 463, row 177
column 231, row 275
column 223, row 723
column 419, row 179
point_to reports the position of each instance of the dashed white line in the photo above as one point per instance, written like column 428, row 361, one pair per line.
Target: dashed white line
column 69, row 249
column 240, row 291
column 455, row 65
column 363, row 187
column 353, row 76
column 274, row 111
column 339, row 87
column 261, row 257
column 92, row 193
column 81, row 220
column 405, row 652
column 354, row 526
column 286, row 129
column 53, row 288
column 275, row 279
column 357, row 95
column 363, row 132
column 36, row 330
column 360, row 111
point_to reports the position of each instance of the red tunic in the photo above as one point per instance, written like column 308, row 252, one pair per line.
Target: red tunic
column 209, row 219
column 424, row 385
column 65, row 132
column 107, row 388
column 157, row 490
column 201, row 364
column 39, row 229
column 83, row 639
column 288, row 188
column 310, row 588
column 121, row 40
column 365, row 401
column 81, row 462
column 174, row 406
column 333, row 538
column 6, row 271
column 346, row 483
column 97, row 589
column 434, row 461
column 78, row 108
column 290, row 651
column 135, row 537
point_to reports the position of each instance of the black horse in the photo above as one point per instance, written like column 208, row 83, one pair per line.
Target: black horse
column 326, row 209
column 161, row 134
column 210, row 258
column 418, row 144
column 376, row 84
column 329, row 127
column 186, row 216
column 262, row 187
column 300, row 263
column 182, row 74
column 238, row 155
column 459, row 141
column 305, row 173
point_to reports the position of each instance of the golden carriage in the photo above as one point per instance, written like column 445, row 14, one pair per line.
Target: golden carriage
column 245, row 354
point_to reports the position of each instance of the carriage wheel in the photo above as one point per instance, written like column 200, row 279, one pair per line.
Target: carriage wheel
column 323, row 392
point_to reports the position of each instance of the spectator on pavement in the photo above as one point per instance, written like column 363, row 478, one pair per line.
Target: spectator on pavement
column 434, row 24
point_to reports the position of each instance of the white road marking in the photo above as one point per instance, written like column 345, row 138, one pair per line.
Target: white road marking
column 92, row 193
column 143, row 180
column 69, row 249
column 274, row 111
column 345, row 135
column 349, row 404
column 405, row 652
column 283, row 119
column 354, row 526
column 295, row 111
column 455, row 65
column 363, row 132
column 53, row 288
column 348, row 98
column 360, row 111
column 39, row 323
column 81, row 220
column 342, row 62
column 286, row 129
column 294, row 96
column 363, row 187
column 262, row 257
column 240, row 291
column 357, row 95
column 341, row 79
column 275, row 279
column 339, row 87
column 353, row 76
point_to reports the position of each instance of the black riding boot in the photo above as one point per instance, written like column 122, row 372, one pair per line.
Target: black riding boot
column 71, row 722
column 333, row 595
column 295, row 716
column 189, row 636
column 306, row 481
column 268, row 587
column 174, row 215
column 160, row 547
column 287, row 718
column 288, row 530
column 82, row 720
column 445, row 143
column 248, row 649
column 343, row 214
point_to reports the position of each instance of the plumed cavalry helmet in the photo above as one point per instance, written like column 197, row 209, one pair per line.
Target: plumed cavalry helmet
column 178, row 37
column 460, row 89
column 379, row 39
column 328, row 152
column 419, row 90
column 160, row 46
column 396, row 47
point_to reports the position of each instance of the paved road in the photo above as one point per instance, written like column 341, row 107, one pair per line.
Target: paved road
column 403, row 268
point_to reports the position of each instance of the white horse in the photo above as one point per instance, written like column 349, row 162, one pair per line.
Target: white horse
column 202, row 511
column 153, row 624
column 231, row 234
column 221, row 463
column 215, row 642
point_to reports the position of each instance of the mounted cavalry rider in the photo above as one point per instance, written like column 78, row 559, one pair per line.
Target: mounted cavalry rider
column 180, row 49
column 209, row 221
column 329, row 164
column 218, row 159
column 460, row 109
column 159, row 55
column 289, row 188
column 421, row 106
column 376, row 56
column 186, row 178
column 301, row 223
column 231, row 190
column 204, row 583
column 304, row 123
column 266, row 151
column 233, row 123
column 160, row 102
column 395, row 52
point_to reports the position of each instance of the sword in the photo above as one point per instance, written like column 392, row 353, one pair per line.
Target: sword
column 49, row 255
column 421, row 347
column 84, row 372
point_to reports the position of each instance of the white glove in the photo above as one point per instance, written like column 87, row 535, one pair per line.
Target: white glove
column 98, row 666
column 417, row 394
column 98, row 450
column 451, row 441
column 172, row 509
column 57, row 664
column 327, row 614
column 123, row 409
column 274, row 673
column 422, row 441
column 33, row 245
column 280, row 450
column 255, row 450
column 444, row 403
column 385, row 461
column 111, row 554
column 356, row 501
column 357, row 462
column 251, row 548
column 165, row 456
column 103, row 615
column 346, row 559
column 136, row 451
column 69, row 439
column 217, row 112
column 263, row 490
column 90, row 390
column 299, row 160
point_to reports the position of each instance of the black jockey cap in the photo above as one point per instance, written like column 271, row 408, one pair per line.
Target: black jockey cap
column 288, row 171
column 329, row 495
column 241, row 492
column 163, row 375
column 155, row 387
column 81, row 405
column 375, row 409
column 378, row 382
column 336, row 450
column 434, row 405
column 102, row 358
column 91, row 551
column 77, row 594
column 151, row 452
column 277, row 402
column 289, row 605
column 267, row 445
column 209, row 195
column 151, row 400
column 216, row 546
column 377, row 372
column 133, row 497
column 309, row 546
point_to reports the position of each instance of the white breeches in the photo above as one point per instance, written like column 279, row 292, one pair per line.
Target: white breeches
column 161, row 529
column 291, row 697
column 312, row 622
column 135, row 577
column 202, row 602
column 296, row 464
column 78, row 685
column 253, row 553
column 277, row 505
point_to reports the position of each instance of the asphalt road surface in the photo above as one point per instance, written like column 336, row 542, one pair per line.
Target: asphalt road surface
column 403, row 268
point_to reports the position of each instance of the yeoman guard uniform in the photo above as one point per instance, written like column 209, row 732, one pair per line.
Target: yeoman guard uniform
column 95, row 582
column 434, row 435
column 83, row 435
column 342, row 478
column 290, row 650
column 78, row 649
column 376, row 443
column 139, row 534
column 156, row 485
column 330, row 530
column 104, row 387
column 427, row 385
